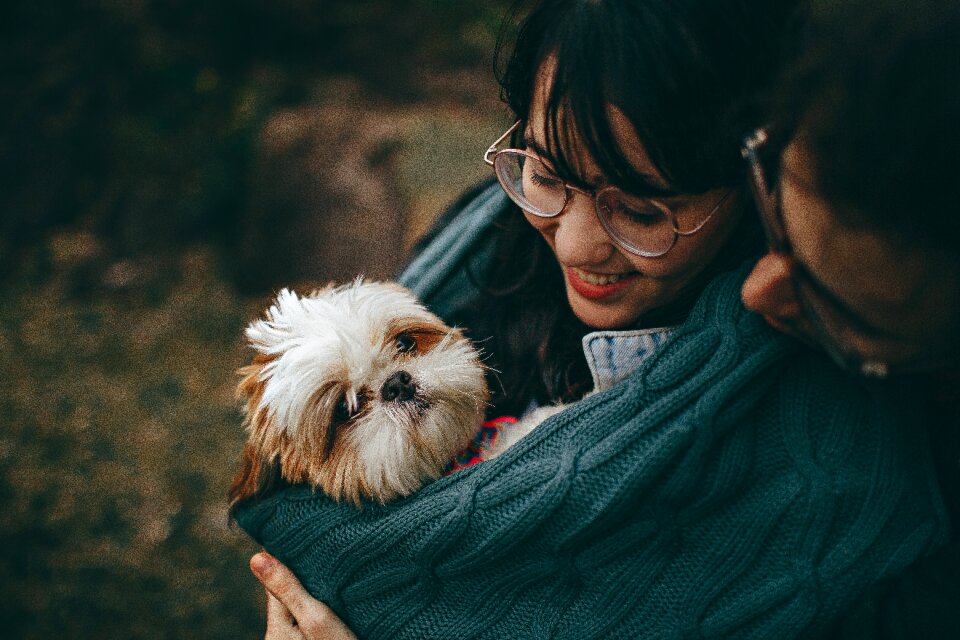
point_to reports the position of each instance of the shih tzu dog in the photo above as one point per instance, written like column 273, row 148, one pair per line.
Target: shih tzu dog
column 357, row 390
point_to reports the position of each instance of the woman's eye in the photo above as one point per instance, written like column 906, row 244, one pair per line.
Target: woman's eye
column 643, row 218
column 543, row 181
column 406, row 343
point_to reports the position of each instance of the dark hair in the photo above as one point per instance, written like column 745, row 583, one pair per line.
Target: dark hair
column 874, row 97
column 688, row 75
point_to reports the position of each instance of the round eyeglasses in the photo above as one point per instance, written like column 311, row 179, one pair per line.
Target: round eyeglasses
column 642, row 226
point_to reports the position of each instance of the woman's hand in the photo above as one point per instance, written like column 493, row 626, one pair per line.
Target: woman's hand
column 291, row 611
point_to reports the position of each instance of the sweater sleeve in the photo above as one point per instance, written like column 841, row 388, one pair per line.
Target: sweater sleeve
column 920, row 603
column 734, row 486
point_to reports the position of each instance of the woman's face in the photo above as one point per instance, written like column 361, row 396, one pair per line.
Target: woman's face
column 607, row 286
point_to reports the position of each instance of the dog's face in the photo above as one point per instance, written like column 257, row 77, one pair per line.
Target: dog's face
column 358, row 390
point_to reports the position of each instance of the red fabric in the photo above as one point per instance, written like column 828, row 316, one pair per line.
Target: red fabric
column 473, row 453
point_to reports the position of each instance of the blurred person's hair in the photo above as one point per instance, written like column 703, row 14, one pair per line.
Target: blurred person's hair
column 874, row 98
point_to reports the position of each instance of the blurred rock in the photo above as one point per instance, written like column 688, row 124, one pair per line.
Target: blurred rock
column 344, row 187
column 324, row 205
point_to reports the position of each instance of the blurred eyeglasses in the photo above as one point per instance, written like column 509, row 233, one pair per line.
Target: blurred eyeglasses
column 642, row 226
column 826, row 317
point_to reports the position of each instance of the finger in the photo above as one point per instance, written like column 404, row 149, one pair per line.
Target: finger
column 281, row 582
column 280, row 622
column 315, row 619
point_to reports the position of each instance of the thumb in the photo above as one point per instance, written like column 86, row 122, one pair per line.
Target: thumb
column 315, row 619
column 278, row 580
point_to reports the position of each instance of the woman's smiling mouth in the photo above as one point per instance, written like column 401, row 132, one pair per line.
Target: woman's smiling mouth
column 596, row 286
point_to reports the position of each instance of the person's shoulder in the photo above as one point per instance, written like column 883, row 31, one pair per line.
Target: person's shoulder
column 460, row 208
column 721, row 330
column 737, row 347
column 459, row 245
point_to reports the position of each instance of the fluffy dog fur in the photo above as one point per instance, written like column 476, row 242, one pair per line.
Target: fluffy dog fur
column 357, row 390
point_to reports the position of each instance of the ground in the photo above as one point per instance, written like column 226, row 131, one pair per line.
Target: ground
column 144, row 228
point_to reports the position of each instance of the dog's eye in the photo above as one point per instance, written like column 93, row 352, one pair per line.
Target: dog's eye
column 406, row 343
column 341, row 412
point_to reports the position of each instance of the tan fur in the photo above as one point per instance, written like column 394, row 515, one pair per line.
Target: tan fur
column 427, row 336
column 332, row 455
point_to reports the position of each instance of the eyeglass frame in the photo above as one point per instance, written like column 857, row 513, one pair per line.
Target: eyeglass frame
column 805, row 285
column 490, row 155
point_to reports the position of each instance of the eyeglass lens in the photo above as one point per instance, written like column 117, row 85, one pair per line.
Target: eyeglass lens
column 530, row 184
column 639, row 225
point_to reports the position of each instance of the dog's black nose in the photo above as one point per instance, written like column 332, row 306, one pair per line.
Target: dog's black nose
column 398, row 387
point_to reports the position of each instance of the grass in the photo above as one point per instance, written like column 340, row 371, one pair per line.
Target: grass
column 120, row 435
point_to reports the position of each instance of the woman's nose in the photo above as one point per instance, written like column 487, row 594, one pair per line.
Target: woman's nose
column 579, row 238
column 769, row 289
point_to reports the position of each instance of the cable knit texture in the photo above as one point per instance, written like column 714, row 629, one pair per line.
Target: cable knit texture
column 734, row 486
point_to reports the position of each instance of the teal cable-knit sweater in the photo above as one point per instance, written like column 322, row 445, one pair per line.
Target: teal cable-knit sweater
column 735, row 485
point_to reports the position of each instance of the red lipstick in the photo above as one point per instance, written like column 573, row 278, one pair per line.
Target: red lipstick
column 592, row 291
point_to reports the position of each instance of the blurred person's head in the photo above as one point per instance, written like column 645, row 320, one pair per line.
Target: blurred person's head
column 650, row 98
column 857, row 176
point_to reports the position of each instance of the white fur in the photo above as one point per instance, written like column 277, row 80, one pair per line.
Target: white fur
column 339, row 341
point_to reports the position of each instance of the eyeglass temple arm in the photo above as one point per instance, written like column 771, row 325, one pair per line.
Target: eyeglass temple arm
column 492, row 151
column 749, row 152
column 716, row 208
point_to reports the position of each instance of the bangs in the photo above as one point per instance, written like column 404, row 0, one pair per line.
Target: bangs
column 578, row 124
column 688, row 76
column 597, row 62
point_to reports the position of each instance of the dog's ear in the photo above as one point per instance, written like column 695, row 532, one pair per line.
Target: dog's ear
column 257, row 477
column 279, row 325
column 251, row 383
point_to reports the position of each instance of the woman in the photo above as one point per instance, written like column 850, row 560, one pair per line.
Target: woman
column 721, row 482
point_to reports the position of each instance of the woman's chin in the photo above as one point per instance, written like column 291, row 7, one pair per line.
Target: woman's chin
column 616, row 308
column 604, row 316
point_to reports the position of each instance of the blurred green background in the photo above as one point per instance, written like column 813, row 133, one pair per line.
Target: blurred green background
column 164, row 166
